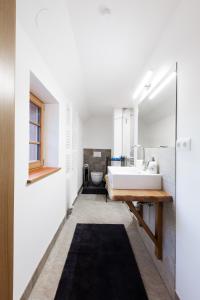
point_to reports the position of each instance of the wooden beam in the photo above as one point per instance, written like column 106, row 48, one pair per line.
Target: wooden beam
column 159, row 228
column 141, row 221
column 140, row 210
column 156, row 197
column 7, row 83
column 157, row 237
column 137, row 195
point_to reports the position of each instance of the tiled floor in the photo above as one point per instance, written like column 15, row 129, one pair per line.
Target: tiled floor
column 94, row 209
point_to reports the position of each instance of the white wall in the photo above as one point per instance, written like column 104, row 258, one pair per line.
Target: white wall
column 48, row 24
column 51, row 134
column 76, row 177
column 98, row 132
column 39, row 207
column 80, row 153
column 181, row 42
column 165, row 158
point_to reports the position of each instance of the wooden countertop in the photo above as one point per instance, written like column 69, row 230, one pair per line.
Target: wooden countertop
column 138, row 195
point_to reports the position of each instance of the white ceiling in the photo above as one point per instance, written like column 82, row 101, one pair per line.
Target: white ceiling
column 114, row 47
column 47, row 24
column 96, row 57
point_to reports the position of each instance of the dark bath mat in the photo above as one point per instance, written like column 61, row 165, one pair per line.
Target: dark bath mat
column 100, row 266
column 90, row 188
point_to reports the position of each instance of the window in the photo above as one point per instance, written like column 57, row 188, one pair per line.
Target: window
column 36, row 133
column 37, row 170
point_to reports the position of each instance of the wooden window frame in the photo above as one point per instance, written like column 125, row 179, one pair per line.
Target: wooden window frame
column 39, row 163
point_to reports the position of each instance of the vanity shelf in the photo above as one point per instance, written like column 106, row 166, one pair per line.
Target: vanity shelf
column 157, row 197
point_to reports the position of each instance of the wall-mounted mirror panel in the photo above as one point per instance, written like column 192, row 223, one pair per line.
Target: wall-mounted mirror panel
column 157, row 116
column 157, row 142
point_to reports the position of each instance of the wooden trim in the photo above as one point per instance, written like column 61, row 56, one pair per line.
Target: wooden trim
column 140, row 195
column 40, row 173
column 34, row 165
column 41, row 264
column 40, row 104
column 137, row 195
column 7, row 128
column 36, row 100
column 34, row 143
column 42, row 136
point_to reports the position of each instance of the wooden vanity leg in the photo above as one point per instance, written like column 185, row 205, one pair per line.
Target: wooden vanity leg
column 140, row 210
column 159, row 228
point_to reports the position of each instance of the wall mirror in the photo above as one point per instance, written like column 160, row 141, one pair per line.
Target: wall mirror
column 157, row 141
column 157, row 115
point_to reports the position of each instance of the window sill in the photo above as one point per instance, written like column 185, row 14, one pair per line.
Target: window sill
column 40, row 173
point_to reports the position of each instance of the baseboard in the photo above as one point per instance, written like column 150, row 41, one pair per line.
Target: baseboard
column 79, row 192
column 41, row 264
column 69, row 212
column 177, row 297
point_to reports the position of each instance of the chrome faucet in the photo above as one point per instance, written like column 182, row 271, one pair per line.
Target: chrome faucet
column 143, row 154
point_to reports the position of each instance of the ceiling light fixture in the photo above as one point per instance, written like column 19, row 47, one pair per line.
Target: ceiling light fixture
column 162, row 85
column 144, row 84
column 154, row 82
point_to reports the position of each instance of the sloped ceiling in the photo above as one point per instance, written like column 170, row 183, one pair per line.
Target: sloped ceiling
column 115, row 39
column 96, row 49
column 48, row 25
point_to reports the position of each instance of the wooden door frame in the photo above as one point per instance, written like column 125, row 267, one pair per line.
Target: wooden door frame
column 7, row 128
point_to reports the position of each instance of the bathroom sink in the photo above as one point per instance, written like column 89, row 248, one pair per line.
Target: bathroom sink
column 133, row 178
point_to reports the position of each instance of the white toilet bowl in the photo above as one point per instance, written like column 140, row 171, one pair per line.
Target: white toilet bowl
column 97, row 177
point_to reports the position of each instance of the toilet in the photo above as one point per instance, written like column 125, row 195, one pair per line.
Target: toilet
column 97, row 177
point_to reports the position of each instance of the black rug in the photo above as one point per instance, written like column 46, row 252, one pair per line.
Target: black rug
column 91, row 188
column 100, row 266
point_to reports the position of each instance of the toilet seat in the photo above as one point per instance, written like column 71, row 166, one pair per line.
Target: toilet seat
column 96, row 177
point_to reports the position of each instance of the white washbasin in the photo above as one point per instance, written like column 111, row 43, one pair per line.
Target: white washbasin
column 133, row 178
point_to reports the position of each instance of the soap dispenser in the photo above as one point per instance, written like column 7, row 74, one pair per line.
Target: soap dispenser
column 153, row 166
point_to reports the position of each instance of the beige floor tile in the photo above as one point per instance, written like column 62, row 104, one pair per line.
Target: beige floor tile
column 94, row 209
